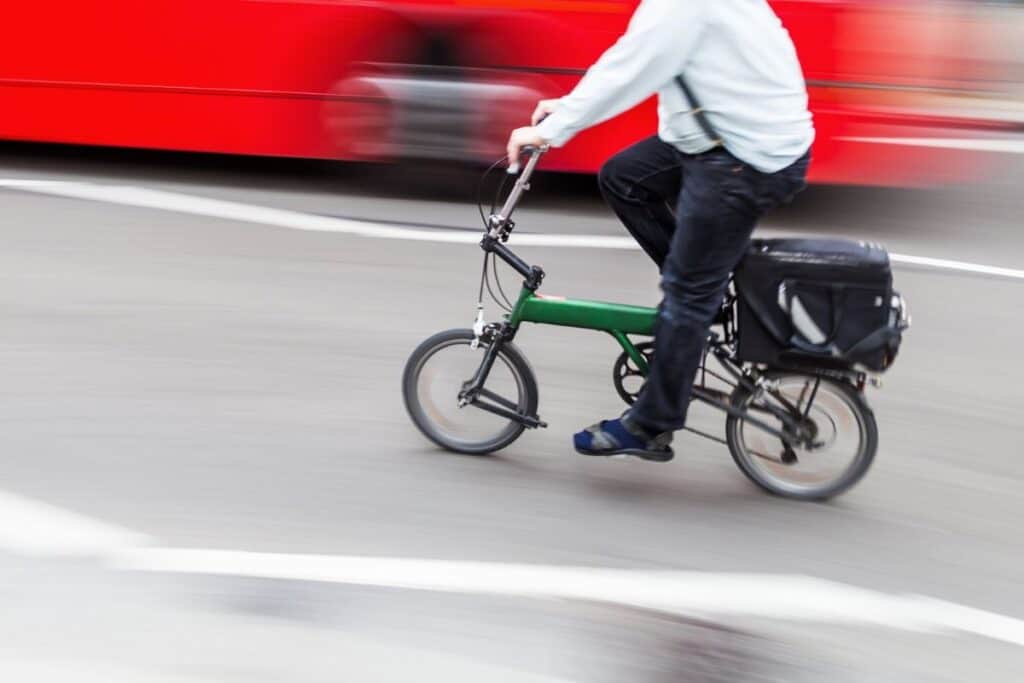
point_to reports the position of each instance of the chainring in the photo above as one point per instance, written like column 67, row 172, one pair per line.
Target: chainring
column 626, row 377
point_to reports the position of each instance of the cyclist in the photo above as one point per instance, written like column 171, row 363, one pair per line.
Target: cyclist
column 733, row 142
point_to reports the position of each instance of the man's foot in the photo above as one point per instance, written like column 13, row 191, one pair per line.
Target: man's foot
column 623, row 437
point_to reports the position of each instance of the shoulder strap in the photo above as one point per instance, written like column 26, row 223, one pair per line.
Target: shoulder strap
column 698, row 112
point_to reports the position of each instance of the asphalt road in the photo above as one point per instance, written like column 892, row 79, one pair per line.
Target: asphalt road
column 217, row 384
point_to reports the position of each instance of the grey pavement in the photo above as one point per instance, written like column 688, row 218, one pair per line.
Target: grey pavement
column 226, row 385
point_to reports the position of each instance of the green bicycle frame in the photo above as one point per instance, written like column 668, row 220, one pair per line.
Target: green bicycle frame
column 619, row 320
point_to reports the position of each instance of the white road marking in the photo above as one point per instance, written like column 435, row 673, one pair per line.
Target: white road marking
column 38, row 529
column 126, row 195
column 706, row 594
column 35, row 528
column 962, row 266
column 1005, row 146
column 29, row 527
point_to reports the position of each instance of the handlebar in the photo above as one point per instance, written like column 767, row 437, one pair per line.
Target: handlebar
column 499, row 225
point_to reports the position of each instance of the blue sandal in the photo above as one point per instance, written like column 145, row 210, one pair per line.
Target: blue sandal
column 623, row 437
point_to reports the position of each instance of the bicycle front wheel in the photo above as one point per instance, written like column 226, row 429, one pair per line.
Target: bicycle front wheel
column 843, row 444
column 435, row 374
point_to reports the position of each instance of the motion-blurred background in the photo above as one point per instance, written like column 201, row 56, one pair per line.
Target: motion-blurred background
column 903, row 92
column 182, row 369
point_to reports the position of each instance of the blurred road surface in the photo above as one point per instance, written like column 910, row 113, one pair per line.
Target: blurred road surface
column 215, row 384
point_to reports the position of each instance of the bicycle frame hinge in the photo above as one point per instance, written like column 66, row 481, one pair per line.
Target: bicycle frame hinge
column 533, row 282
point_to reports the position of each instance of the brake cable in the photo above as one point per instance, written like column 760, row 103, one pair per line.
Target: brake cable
column 485, row 280
column 497, row 281
column 480, row 190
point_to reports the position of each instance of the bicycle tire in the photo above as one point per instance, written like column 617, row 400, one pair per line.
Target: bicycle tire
column 850, row 476
column 514, row 360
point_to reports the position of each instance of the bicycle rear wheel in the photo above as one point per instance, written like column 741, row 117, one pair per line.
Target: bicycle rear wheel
column 842, row 449
column 435, row 374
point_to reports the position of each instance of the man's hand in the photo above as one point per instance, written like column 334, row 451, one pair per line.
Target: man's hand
column 544, row 107
column 521, row 137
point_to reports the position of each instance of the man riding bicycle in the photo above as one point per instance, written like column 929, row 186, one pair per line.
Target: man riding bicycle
column 733, row 142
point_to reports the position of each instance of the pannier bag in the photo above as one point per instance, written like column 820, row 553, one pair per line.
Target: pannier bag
column 805, row 301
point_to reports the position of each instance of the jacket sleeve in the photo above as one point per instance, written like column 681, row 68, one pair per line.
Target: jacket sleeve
column 654, row 49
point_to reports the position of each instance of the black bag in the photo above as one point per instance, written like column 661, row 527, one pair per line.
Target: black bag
column 822, row 302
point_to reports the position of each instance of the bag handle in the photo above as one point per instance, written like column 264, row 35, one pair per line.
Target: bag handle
column 698, row 113
column 837, row 296
column 883, row 336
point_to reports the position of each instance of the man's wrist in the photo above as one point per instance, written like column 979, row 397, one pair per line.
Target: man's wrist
column 552, row 129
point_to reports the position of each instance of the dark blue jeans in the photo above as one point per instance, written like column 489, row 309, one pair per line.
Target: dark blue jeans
column 717, row 201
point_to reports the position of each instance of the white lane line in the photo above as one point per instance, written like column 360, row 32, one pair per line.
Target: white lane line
column 970, row 620
column 1005, row 146
column 962, row 266
column 784, row 597
column 126, row 195
column 139, row 197
column 29, row 527
column 34, row 528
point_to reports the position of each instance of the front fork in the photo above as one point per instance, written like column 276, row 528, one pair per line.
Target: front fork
column 474, row 393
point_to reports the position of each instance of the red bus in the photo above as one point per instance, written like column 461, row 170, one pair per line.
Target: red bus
column 898, row 88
